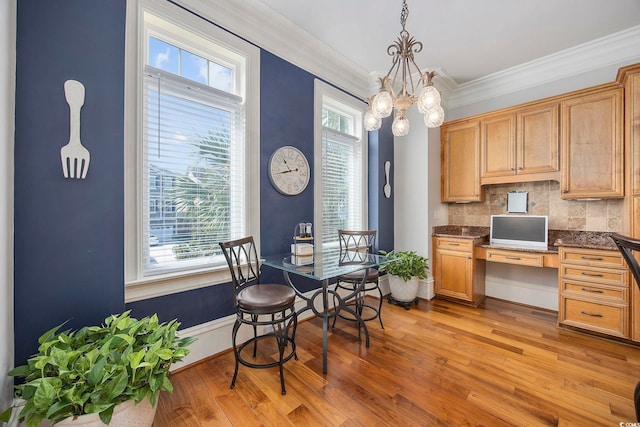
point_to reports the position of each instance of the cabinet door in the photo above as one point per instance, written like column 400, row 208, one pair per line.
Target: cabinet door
column 538, row 140
column 460, row 159
column 454, row 275
column 633, row 117
column 592, row 146
column 497, row 146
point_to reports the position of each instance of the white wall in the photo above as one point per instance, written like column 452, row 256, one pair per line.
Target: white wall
column 7, row 91
column 412, row 175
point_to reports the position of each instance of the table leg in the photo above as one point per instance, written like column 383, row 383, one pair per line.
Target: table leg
column 325, row 314
column 325, row 324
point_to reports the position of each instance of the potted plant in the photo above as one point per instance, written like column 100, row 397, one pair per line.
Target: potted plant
column 97, row 371
column 405, row 269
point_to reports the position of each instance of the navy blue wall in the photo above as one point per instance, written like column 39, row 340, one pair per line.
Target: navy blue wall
column 68, row 232
column 381, row 208
column 69, row 235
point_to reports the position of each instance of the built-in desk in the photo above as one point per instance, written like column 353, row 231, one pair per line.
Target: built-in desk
column 593, row 280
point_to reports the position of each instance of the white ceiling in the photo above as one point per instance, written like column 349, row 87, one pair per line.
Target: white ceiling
column 467, row 39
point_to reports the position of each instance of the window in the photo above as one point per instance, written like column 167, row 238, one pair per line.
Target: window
column 340, row 164
column 189, row 155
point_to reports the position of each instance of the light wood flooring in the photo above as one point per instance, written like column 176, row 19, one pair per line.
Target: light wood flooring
column 439, row 363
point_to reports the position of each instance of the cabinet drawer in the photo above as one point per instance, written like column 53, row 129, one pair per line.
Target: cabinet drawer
column 595, row 292
column 592, row 258
column 519, row 258
column 609, row 319
column 463, row 245
column 594, row 275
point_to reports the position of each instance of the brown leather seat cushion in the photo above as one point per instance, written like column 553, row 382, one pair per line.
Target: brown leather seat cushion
column 357, row 276
column 266, row 297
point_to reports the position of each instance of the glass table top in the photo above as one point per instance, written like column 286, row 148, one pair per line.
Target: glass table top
column 323, row 264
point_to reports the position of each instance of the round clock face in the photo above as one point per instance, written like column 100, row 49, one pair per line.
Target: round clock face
column 289, row 170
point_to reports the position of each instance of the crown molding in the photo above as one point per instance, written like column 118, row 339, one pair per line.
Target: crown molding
column 255, row 22
column 613, row 49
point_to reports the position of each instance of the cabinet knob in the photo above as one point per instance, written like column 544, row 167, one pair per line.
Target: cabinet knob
column 519, row 168
column 565, row 191
column 512, row 169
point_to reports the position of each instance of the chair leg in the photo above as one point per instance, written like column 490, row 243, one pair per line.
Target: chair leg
column 380, row 307
column 335, row 302
column 636, row 400
column 236, row 355
column 280, row 332
column 293, row 334
column 254, row 319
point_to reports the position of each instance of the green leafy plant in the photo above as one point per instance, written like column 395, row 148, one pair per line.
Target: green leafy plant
column 95, row 368
column 405, row 264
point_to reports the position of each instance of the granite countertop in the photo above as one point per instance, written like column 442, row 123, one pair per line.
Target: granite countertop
column 583, row 239
column 569, row 238
column 461, row 231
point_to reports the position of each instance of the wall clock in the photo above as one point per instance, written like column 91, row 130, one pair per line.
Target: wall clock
column 289, row 170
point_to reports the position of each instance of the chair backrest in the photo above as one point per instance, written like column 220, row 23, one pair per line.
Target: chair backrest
column 627, row 245
column 355, row 246
column 243, row 262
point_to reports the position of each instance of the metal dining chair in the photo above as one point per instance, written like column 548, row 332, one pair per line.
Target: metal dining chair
column 626, row 245
column 354, row 247
column 268, row 306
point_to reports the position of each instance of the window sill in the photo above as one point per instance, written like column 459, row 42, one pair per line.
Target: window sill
column 157, row 286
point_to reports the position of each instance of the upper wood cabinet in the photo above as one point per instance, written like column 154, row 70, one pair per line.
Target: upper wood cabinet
column 592, row 137
column 632, row 111
column 520, row 145
column 460, row 161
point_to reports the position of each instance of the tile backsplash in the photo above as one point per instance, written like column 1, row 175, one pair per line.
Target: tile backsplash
column 544, row 199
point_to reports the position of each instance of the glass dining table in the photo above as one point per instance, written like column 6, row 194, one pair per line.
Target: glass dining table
column 324, row 266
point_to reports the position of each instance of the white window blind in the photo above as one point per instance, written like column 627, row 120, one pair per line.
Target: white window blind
column 342, row 188
column 193, row 172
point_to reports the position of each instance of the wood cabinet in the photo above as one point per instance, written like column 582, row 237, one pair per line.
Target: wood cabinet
column 458, row 274
column 460, row 161
column 592, row 137
column 630, row 77
column 594, row 291
column 520, row 145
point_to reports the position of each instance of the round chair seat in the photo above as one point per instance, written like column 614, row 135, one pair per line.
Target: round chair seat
column 356, row 276
column 265, row 297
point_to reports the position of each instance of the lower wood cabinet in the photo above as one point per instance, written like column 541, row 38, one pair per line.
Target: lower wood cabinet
column 458, row 274
column 594, row 291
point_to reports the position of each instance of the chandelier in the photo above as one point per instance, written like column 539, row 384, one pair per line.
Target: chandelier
column 401, row 94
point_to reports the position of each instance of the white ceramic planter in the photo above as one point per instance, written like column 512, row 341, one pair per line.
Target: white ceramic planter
column 127, row 414
column 403, row 291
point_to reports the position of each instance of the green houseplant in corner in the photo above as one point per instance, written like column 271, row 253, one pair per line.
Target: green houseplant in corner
column 98, row 369
column 405, row 269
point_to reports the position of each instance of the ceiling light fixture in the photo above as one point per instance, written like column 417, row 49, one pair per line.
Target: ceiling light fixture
column 400, row 95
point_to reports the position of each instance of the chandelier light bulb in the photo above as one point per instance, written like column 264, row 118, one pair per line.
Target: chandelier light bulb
column 400, row 125
column 372, row 121
column 382, row 104
column 429, row 98
column 434, row 117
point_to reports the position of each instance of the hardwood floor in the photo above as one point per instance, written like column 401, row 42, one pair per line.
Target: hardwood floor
column 439, row 363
